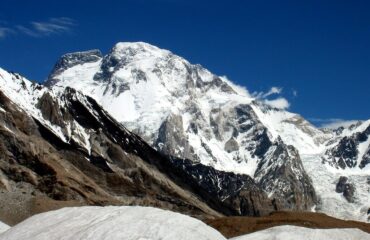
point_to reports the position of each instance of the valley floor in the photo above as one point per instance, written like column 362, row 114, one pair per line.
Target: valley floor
column 237, row 226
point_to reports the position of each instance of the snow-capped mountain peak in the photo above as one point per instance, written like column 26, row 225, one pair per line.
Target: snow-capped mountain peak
column 187, row 112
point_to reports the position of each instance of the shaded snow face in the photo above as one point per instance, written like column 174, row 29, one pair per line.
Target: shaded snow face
column 129, row 223
column 293, row 233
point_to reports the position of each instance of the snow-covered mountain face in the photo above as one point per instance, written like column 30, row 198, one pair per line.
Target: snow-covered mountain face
column 148, row 88
column 62, row 145
column 183, row 110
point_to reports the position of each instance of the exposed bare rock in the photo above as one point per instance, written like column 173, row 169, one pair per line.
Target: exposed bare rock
column 231, row 145
column 348, row 190
column 119, row 169
column 282, row 175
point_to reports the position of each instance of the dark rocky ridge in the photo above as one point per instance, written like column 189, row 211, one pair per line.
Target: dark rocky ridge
column 120, row 169
column 35, row 164
column 284, row 176
column 234, row 193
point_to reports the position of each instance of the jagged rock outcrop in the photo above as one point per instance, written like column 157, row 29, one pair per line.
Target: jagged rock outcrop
column 286, row 180
column 171, row 139
column 236, row 194
column 346, row 153
column 348, row 190
column 231, row 145
column 115, row 167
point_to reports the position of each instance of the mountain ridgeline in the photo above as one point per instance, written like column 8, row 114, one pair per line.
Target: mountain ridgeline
column 143, row 126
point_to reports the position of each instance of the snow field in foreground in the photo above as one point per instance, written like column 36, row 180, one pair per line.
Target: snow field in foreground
column 295, row 233
column 147, row 223
column 99, row 223
column 3, row 227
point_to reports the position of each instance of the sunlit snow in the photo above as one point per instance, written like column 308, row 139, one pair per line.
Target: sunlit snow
column 110, row 223
column 295, row 233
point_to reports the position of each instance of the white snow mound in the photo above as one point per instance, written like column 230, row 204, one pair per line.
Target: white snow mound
column 129, row 223
column 294, row 233
column 3, row 227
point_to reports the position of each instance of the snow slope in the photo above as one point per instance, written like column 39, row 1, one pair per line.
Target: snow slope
column 184, row 110
column 129, row 223
column 142, row 86
column 149, row 85
column 3, row 227
column 294, row 233
column 325, row 178
column 26, row 95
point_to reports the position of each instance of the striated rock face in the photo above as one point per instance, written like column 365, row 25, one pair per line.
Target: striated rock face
column 286, row 180
column 235, row 194
column 171, row 139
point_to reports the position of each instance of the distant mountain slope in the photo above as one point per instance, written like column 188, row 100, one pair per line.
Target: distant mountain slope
column 60, row 148
column 65, row 150
column 185, row 111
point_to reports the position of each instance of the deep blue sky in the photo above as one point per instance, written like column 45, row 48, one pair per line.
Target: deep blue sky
column 320, row 49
